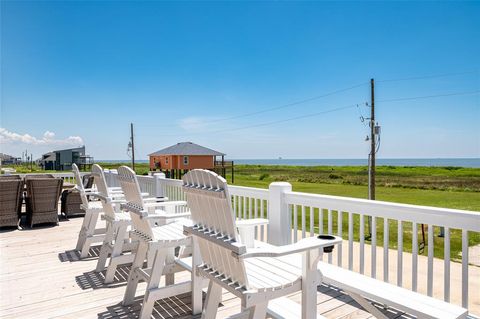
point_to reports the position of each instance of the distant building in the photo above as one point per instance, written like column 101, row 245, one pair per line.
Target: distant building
column 47, row 162
column 177, row 159
column 62, row 160
column 6, row 159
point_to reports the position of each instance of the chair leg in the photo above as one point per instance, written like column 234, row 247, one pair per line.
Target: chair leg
column 81, row 239
column 92, row 223
column 150, row 258
column 196, row 280
column 310, row 281
column 259, row 311
column 89, row 232
column 214, row 296
column 170, row 259
column 116, row 252
column 82, row 234
column 133, row 277
column 102, row 259
column 153, row 283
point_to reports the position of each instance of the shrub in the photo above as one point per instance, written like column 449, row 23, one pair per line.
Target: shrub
column 452, row 168
column 335, row 176
column 263, row 176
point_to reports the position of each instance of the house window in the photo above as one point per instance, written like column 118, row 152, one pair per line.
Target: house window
column 166, row 160
column 185, row 160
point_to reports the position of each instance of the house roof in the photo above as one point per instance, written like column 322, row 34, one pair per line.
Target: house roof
column 72, row 149
column 187, row 148
column 6, row 156
column 49, row 157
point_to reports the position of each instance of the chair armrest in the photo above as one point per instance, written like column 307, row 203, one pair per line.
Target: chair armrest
column 116, row 188
column 90, row 191
column 165, row 204
column 143, row 213
column 155, row 199
column 118, row 196
column 246, row 228
column 113, row 200
column 300, row 246
column 167, row 215
column 99, row 196
column 117, row 201
column 251, row 222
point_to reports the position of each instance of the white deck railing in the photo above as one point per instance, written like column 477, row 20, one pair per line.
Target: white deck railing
column 67, row 176
column 333, row 210
column 290, row 219
column 294, row 215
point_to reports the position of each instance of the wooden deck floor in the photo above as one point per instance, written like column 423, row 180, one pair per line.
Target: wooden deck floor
column 42, row 277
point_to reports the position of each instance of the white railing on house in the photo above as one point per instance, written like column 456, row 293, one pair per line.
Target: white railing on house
column 294, row 215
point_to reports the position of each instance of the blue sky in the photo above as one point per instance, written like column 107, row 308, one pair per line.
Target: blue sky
column 80, row 72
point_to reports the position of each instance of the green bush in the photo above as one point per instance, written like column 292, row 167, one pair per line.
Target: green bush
column 263, row 176
column 335, row 176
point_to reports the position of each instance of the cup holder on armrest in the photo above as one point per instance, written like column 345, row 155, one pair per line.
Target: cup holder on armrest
column 327, row 249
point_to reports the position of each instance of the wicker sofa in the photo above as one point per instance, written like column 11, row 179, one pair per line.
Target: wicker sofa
column 71, row 200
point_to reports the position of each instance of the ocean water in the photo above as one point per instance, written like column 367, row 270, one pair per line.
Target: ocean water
column 458, row 162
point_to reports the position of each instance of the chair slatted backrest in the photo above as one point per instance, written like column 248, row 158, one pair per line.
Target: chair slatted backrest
column 43, row 193
column 10, row 195
column 102, row 189
column 133, row 196
column 209, row 202
column 79, row 184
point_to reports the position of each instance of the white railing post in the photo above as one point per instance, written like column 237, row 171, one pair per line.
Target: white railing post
column 279, row 226
column 159, row 184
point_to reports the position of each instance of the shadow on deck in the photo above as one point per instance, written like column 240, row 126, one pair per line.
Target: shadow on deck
column 42, row 276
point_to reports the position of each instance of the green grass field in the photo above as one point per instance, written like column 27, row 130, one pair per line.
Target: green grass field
column 450, row 187
column 459, row 199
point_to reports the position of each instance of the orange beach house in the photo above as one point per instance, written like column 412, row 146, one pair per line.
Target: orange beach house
column 178, row 159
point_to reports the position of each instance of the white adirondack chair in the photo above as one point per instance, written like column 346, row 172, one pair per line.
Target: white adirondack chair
column 117, row 246
column 116, row 241
column 158, row 243
column 88, row 234
column 255, row 275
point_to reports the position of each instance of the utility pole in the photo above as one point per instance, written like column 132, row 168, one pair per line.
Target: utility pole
column 133, row 146
column 371, row 162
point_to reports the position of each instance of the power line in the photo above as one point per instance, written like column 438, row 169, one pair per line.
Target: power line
column 339, row 109
column 329, row 94
column 429, row 96
column 289, row 119
column 271, row 122
column 310, row 99
column 325, row 112
column 291, row 104
column 427, row 77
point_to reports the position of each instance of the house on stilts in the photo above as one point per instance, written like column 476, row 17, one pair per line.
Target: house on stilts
column 178, row 159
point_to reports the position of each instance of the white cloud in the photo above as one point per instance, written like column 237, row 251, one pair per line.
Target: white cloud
column 48, row 138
